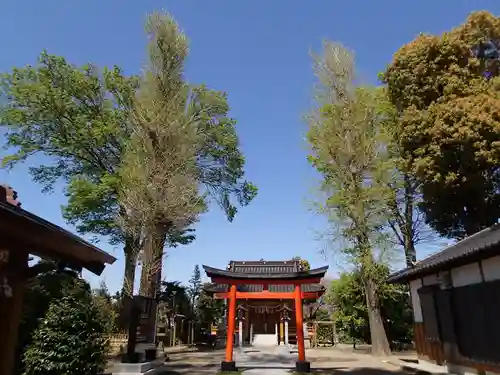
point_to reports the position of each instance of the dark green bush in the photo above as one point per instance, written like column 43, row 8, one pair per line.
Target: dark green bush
column 69, row 340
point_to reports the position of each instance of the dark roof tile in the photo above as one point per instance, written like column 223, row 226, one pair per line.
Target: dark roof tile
column 483, row 244
column 264, row 267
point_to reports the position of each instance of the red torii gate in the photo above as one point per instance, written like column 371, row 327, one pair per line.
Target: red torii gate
column 233, row 279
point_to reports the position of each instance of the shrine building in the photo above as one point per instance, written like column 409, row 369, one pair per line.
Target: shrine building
column 265, row 303
column 23, row 234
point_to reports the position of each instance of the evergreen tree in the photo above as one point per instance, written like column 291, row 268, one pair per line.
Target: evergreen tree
column 194, row 289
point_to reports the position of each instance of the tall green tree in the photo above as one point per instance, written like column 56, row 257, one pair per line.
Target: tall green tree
column 448, row 128
column 195, row 284
column 187, row 148
column 210, row 310
column 175, row 297
column 406, row 221
column 348, row 149
column 106, row 307
column 159, row 184
column 80, row 118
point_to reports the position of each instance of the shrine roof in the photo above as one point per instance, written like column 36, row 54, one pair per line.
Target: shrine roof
column 482, row 245
column 22, row 229
column 264, row 267
column 263, row 270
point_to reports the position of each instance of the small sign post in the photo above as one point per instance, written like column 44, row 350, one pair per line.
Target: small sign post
column 141, row 322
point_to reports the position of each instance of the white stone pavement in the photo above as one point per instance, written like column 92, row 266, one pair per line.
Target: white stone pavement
column 277, row 360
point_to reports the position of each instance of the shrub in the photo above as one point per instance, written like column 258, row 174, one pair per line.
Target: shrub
column 69, row 340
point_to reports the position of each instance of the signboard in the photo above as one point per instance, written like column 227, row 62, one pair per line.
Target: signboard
column 140, row 317
column 146, row 321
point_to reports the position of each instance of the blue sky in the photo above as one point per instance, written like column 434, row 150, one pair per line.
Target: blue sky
column 257, row 51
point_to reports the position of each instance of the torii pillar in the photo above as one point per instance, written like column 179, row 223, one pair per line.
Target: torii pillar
column 302, row 365
column 228, row 364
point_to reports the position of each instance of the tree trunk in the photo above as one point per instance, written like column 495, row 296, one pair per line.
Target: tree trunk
column 408, row 234
column 130, row 251
column 152, row 261
column 380, row 344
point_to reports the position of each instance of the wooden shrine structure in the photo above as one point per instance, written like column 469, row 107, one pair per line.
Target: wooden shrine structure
column 23, row 234
column 258, row 293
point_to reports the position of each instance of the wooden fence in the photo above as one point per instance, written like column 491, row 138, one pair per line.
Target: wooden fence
column 117, row 343
column 321, row 333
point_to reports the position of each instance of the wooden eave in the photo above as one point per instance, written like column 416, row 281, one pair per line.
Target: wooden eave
column 479, row 246
column 23, row 230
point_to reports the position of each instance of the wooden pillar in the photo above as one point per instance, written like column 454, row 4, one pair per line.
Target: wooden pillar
column 228, row 363
column 302, row 365
column 13, row 310
column 276, row 333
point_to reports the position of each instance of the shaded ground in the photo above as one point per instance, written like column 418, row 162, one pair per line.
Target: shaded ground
column 324, row 361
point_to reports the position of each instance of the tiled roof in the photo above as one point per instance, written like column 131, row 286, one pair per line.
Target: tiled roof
column 263, row 267
column 481, row 245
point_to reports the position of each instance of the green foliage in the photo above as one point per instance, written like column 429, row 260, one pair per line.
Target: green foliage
column 351, row 315
column 210, row 310
column 304, row 263
column 194, row 288
column 448, row 127
column 77, row 116
column 351, row 318
column 82, row 119
column 70, row 339
column 49, row 287
column 349, row 148
column 45, row 288
column 175, row 297
column 107, row 307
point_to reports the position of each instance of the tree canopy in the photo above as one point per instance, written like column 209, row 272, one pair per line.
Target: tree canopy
column 448, row 127
column 82, row 119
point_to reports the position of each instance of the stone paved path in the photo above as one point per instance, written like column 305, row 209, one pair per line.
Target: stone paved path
column 267, row 361
column 278, row 361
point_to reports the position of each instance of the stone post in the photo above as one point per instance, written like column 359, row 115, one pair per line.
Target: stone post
column 240, row 333
column 286, row 332
column 241, row 317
